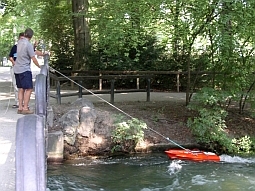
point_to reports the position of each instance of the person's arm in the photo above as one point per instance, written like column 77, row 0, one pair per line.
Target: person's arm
column 12, row 52
column 35, row 61
column 31, row 53
column 12, row 60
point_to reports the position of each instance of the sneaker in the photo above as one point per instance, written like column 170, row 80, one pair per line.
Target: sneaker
column 15, row 106
column 25, row 112
column 19, row 111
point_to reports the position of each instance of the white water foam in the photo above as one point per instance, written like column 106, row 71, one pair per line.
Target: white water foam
column 236, row 159
column 172, row 187
column 174, row 167
column 201, row 180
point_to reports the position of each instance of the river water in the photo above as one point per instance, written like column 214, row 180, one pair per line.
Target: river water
column 153, row 172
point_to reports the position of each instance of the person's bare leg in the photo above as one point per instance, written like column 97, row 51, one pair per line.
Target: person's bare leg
column 21, row 98
column 16, row 90
column 27, row 95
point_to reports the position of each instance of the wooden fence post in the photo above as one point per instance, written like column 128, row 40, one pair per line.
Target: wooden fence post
column 100, row 81
column 80, row 90
column 58, row 93
column 112, row 91
column 178, row 82
column 72, row 84
column 148, row 89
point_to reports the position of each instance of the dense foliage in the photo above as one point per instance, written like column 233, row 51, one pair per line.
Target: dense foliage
column 209, row 127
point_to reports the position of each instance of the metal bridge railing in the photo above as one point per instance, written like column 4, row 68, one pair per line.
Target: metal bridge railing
column 31, row 139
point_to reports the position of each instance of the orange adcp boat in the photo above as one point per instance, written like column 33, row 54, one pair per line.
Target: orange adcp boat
column 194, row 155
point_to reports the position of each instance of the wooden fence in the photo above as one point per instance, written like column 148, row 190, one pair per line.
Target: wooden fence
column 80, row 79
column 82, row 76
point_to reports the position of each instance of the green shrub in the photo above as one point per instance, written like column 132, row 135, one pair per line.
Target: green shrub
column 127, row 134
column 209, row 127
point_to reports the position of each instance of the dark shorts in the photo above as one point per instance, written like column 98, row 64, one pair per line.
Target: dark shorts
column 24, row 80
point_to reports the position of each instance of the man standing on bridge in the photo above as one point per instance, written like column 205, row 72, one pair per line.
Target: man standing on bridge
column 22, row 70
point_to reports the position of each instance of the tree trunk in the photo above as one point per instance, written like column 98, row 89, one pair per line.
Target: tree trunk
column 176, row 36
column 82, row 37
column 188, row 77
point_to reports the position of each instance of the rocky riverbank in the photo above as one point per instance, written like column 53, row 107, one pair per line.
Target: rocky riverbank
column 167, row 118
column 163, row 117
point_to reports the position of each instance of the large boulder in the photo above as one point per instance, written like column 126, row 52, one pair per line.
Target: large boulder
column 86, row 131
column 70, row 123
column 87, row 121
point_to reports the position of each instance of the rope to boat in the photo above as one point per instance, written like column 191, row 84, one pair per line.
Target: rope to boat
column 167, row 138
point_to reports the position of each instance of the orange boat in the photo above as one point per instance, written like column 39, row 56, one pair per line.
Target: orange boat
column 194, row 155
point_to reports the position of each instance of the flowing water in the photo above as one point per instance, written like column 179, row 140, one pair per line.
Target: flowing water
column 153, row 172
